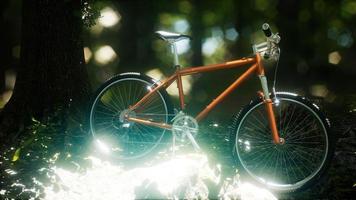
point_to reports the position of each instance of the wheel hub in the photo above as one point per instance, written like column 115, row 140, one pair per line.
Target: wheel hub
column 282, row 141
column 120, row 121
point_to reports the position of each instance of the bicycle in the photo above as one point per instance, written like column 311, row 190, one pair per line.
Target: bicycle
column 281, row 140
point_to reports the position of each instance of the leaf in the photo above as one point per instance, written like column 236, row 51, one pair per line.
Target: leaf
column 36, row 121
column 354, row 185
column 16, row 155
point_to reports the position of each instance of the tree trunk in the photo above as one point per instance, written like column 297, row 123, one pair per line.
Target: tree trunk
column 135, row 49
column 52, row 70
column 197, row 33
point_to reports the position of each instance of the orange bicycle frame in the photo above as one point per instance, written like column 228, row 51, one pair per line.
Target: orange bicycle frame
column 256, row 67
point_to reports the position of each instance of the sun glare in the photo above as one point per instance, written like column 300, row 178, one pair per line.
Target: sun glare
column 187, row 176
column 180, row 177
column 103, row 147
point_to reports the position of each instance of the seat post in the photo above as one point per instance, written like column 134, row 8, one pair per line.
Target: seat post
column 172, row 38
column 175, row 54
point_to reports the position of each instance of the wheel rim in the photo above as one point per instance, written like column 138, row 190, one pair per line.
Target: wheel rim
column 292, row 164
column 127, row 140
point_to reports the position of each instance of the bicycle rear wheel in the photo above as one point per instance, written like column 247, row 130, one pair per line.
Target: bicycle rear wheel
column 297, row 163
column 108, row 124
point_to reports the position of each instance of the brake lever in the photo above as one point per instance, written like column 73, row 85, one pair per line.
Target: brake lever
column 272, row 45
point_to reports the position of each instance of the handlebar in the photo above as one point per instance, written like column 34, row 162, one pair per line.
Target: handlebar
column 268, row 49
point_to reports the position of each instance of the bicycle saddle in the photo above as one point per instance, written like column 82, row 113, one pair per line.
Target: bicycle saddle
column 171, row 37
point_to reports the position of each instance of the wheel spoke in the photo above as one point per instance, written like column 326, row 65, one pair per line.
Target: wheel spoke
column 288, row 165
column 135, row 140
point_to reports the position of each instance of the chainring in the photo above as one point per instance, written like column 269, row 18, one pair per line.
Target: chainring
column 182, row 124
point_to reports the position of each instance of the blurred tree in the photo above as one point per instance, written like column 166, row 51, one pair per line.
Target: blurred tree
column 52, row 73
column 197, row 32
column 135, row 41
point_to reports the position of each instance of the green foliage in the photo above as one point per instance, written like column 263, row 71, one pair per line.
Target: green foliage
column 43, row 145
column 16, row 155
column 41, row 138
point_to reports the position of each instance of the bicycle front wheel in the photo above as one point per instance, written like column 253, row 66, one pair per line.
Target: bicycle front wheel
column 296, row 163
column 110, row 108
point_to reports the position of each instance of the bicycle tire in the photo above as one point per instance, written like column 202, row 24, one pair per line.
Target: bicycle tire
column 294, row 165
column 129, row 140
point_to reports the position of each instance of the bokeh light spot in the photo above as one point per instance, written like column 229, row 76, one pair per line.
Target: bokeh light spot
column 10, row 79
column 334, row 57
column 155, row 73
column 210, row 46
column 5, row 97
column 187, row 82
column 181, row 26
column 109, row 17
column 231, row 34
column 183, row 46
column 87, row 54
column 319, row 90
column 96, row 29
column 345, row 39
column 105, row 54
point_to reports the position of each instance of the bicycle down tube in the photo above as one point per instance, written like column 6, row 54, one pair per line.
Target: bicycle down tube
column 256, row 66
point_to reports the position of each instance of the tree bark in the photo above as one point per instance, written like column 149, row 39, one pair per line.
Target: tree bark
column 52, row 70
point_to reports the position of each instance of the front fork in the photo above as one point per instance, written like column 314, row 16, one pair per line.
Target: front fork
column 269, row 108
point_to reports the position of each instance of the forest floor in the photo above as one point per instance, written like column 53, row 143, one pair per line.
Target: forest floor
column 41, row 172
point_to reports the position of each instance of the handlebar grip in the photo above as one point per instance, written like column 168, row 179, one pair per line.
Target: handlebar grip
column 267, row 30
